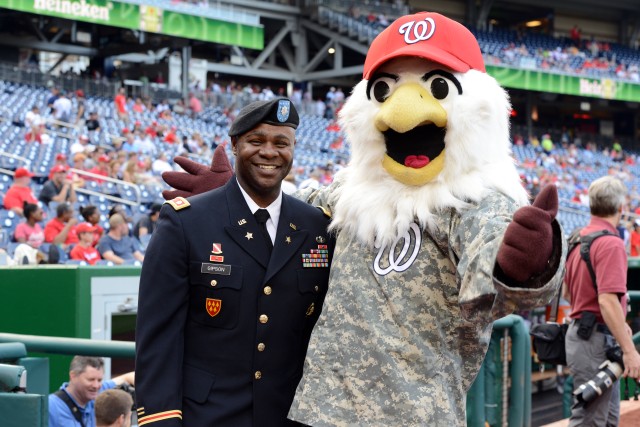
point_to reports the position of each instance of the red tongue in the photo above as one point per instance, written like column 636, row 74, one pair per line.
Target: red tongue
column 416, row 162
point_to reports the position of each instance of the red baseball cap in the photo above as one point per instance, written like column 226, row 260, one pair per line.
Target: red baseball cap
column 85, row 227
column 22, row 172
column 61, row 156
column 426, row 35
column 58, row 168
column 104, row 158
column 80, row 93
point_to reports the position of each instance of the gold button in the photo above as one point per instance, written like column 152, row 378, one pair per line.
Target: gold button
column 258, row 375
column 214, row 282
column 264, row 318
column 261, row 347
column 317, row 288
column 267, row 290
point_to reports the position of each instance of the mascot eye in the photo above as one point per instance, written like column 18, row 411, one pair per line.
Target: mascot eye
column 439, row 88
column 381, row 87
column 381, row 90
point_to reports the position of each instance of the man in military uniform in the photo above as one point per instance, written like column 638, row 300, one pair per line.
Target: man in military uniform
column 228, row 299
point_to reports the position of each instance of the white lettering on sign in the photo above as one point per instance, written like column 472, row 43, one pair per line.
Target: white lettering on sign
column 78, row 9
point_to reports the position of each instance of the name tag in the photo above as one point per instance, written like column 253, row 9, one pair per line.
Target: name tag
column 209, row 268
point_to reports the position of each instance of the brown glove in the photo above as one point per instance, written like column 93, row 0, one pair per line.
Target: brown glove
column 528, row 240
column 198, row 178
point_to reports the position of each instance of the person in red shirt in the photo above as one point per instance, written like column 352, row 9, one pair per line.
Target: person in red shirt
column 120, row 102
column 20, row 192
column 84, row 250
column 171, row 136
column 91, row 215
column 59, row 230
column 152, row 130
column 102, row 168
column 635, row 238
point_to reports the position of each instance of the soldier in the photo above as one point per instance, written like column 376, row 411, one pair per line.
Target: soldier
column 228, row 299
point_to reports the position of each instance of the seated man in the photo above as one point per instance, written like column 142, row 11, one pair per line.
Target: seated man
column 73, row 404
column 19, row 192
column 147, row 224
column 116, row 246
column 113, row 408
column 59, row 230
column 59, row 188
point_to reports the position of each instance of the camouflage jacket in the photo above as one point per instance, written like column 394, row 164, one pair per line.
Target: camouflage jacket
column 404, row 330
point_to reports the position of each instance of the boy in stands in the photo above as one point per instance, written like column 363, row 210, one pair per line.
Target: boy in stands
column 84, row 250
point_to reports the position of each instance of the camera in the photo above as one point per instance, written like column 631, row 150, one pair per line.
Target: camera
column 608, row 373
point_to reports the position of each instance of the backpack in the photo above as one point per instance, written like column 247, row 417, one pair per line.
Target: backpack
column 585, row 247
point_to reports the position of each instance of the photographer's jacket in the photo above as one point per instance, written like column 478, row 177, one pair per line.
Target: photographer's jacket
column 222, row 328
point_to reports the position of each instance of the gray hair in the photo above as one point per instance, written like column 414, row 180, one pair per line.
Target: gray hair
column 80, row 363
column 606, row 196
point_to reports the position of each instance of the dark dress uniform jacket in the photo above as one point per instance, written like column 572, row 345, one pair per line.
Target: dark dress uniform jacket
column 222, row 343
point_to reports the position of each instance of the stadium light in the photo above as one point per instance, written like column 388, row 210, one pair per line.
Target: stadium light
column 534, row 23
column 331, row 50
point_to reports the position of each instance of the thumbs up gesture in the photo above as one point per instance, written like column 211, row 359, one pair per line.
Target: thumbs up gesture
column 528, row 241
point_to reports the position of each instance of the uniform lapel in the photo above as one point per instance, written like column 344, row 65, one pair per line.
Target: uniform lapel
column 243, row 228
column 288, row 240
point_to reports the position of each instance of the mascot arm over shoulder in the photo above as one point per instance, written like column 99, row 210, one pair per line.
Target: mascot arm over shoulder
column 199, row 178
column 526, row 249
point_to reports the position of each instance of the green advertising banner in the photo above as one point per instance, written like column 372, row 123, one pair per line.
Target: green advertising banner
column 145, row 18
column 564, row 84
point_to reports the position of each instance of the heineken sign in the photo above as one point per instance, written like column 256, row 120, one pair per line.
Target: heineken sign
column 75, row 9
column 146, row 18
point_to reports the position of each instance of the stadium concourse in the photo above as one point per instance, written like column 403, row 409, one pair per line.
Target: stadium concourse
column 137, row 148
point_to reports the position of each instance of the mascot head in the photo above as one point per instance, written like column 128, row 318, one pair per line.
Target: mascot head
column 428, row 128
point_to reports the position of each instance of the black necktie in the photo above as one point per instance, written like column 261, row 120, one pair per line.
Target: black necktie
column 262, row 215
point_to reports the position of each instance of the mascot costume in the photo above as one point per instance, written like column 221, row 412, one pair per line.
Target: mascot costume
column 435, row 236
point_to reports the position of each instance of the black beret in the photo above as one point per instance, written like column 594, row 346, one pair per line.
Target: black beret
column 277, row 112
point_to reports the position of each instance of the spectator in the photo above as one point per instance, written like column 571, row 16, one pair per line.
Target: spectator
column 55, row 92
column 102, row 168
column 81, row 107
column 59, row 188
column 120, row 102
column 113, row 408
column 84, row 250
column 161, row 164
column 82, row 145
column 147, row 224
column 91, row 216
column 119, row 209
column 62, row 108
column 33, row 118
column 73, row 405
column 313, row 181
column 116, row 246
column 60, row 160
column 93, row 124
column 635, row 238
column 194, row 105
column 138, row 106
column 58, row 231
column 30, row 231
column 19, row 192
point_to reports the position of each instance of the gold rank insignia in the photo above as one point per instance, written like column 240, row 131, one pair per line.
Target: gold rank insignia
column 325, row 211
column 213, row 306
column 179, row 203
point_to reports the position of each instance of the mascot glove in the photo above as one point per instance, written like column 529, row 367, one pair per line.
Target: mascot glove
column 528, row 240
column 199, row 178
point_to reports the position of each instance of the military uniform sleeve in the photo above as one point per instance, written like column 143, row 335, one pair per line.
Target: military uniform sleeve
column 162, row 312
column 476, row 235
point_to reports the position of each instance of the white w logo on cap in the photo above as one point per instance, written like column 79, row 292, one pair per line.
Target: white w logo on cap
column 421, row 30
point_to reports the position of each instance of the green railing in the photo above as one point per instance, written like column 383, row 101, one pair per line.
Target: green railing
column 72, row 346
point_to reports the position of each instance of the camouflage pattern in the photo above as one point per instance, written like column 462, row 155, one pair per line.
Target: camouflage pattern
column 402, row 336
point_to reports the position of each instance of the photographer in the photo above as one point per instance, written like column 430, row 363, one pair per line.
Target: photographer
column 599, row 309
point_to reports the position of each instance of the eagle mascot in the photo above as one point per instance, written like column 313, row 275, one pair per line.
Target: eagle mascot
column 435, row 235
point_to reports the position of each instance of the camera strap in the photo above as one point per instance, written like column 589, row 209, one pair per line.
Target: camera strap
column 75, row 409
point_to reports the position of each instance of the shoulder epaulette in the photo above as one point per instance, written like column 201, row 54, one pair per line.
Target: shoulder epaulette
column 179, row 203
column 325, row 211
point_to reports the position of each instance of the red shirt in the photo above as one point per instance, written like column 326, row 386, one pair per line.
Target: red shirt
column 54, row 227
column 609, row 261
column 16, row 196
column 635, row 241
column 90, row 254
column 121, row 103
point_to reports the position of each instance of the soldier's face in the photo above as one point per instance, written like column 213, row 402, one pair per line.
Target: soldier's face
column 263, row 159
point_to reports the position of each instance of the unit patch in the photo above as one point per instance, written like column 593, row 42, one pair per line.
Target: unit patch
column 213, row 306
